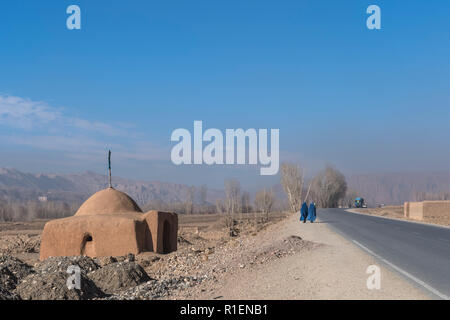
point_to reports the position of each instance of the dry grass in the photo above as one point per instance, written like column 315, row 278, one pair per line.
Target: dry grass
column 388, row 211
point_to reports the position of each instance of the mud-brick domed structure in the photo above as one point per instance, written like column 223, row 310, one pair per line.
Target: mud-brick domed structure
column 110, row 223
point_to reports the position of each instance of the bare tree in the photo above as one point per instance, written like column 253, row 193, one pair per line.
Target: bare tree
column 6, row 213
column 232, row 196
column 203, row 193
column 35, row 210
column 245, row 202
column 349, row 198
column 328, row 187
column 220, row 206
column 423, row 196
column 190, row 198
column 308, row 191
column 264, row 201
column 292, row 182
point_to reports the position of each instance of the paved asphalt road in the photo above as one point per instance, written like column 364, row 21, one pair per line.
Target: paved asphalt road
column 419, row 252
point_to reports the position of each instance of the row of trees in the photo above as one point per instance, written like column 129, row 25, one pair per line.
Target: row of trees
column 327, row 189
column 237, row 201
column 35, row 210
column 193, row 200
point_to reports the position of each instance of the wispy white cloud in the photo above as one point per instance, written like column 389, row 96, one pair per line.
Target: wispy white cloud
column 24, row 113
column 38, row 125
column 27, row 114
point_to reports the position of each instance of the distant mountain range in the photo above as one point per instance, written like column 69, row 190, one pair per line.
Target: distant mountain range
column 387, row 188
column 18, row 186
column 396, row 188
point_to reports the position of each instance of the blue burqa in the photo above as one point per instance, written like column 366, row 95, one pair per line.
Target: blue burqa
column 312, row 212
column 303, row 212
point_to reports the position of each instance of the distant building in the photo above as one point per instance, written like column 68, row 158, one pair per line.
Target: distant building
column 43, row 198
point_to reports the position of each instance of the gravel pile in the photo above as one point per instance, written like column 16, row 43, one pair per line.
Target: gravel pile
column 17, row 267
column 6, row 295
column 53, row 286
column 7, row 280
column 109, row 278
column 156, row 289
column 118, row 276
column 60, row 264
column 12, row 271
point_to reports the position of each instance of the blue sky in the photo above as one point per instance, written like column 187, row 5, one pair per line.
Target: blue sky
column 363, row 100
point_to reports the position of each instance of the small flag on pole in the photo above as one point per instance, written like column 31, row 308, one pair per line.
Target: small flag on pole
column 109, row 168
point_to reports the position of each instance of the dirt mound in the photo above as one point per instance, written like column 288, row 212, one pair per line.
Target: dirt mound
column 119, row 276
column 60, row 264
column 12, row 270
column 21, row 243
column 17, row 267
column 282, row 248
column 6, row 295
column 104, row 261
column 53, row 286
column 7, row 280
column 156, row 289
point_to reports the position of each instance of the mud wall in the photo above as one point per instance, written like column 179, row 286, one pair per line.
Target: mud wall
column 426, row 209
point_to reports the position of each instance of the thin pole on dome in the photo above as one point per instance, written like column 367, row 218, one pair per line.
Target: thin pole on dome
column 109, row 168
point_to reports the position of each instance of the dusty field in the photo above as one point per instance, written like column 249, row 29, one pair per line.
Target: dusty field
column 281, row 259
column 397, row 213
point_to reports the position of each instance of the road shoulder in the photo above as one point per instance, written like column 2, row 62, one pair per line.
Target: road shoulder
column 334, row 269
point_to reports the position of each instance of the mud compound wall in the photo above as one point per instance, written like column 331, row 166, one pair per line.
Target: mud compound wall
column 413, row 210
column 426, row 209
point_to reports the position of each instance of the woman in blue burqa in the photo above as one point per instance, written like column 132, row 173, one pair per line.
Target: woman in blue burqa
column 304, row 212
column 312, row 212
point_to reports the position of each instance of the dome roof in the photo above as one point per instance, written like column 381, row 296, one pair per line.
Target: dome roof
column 108, row 201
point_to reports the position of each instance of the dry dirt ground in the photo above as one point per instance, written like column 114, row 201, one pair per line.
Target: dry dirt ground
column 396, row 212
column 281, row 259
column 326, row 267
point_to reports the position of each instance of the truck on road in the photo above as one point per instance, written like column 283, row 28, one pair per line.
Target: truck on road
column 359, row 203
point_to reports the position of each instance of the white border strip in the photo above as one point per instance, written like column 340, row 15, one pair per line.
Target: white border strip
column 403, row 272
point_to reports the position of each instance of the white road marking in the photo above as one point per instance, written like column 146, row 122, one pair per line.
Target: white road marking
column 403, row 272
